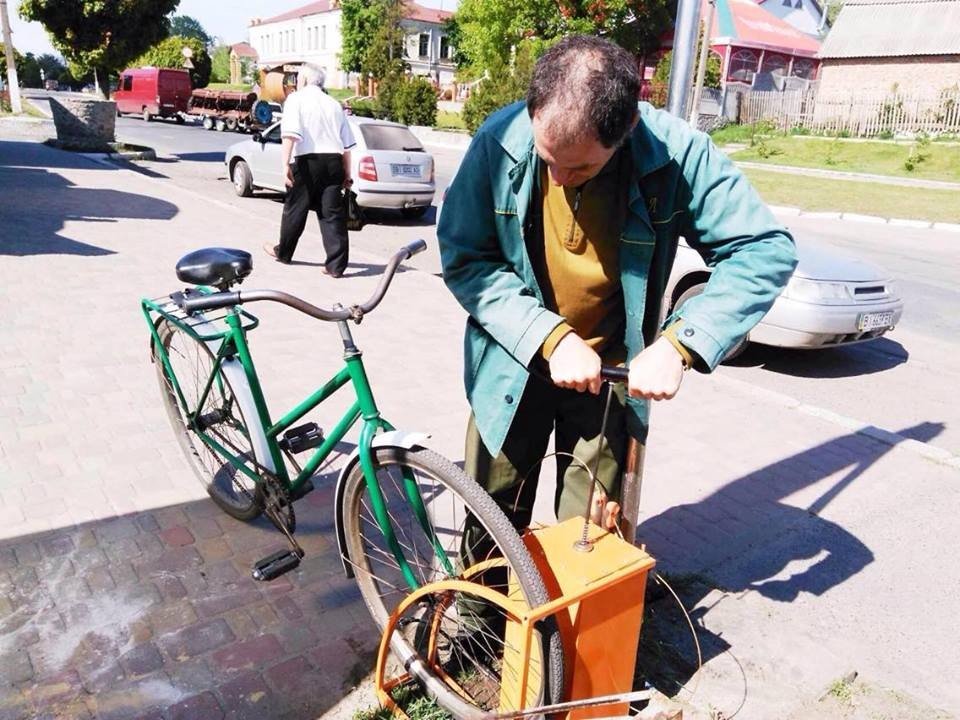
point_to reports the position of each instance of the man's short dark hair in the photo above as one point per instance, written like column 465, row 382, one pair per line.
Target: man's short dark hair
column 595, row 82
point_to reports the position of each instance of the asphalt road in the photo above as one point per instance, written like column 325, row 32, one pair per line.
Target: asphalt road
column 904, row 383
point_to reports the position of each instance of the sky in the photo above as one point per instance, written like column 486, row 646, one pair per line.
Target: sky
column 227, row 21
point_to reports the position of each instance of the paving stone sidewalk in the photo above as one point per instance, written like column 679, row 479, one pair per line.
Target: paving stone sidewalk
column 803, row 548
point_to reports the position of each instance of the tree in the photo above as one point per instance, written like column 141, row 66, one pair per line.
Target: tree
column 169, row 54
column 186, row 26
column 100, row 36
column 220, row 64
column 372, row 37
column 29, row 72
column 491, row 31
column 53, row 69
column 17, row 62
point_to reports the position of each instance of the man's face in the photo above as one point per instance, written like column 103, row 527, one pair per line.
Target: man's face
column 570, row 164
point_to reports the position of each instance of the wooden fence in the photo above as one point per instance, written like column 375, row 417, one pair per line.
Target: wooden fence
column 861, row 115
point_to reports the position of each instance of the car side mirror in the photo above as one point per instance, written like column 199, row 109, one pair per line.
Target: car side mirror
column 257, row 137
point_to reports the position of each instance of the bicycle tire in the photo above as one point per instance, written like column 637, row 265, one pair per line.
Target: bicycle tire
column 382, row 595
column 232, row 491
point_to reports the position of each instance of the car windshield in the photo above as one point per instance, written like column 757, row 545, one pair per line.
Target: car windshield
column 389, row 137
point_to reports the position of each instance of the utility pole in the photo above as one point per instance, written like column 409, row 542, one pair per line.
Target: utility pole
column 12, row 81
column 702, row 65
column 684, row 49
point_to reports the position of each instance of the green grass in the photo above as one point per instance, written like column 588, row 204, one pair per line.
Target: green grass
column 340, row 93
column 813, row 193
column 415, row 705
column 228, row 86
column 28, row 109
column 940, row 162
column 733, row 134
column 450, row 121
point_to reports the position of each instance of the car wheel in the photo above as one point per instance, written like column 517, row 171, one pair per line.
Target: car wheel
column 412, row 213
column 231, row 124
column 147, row 116
column 179, row 119
column 207, row 122
column 241, row 178
column 692, row 292
column 119, row 114
column 220, row 124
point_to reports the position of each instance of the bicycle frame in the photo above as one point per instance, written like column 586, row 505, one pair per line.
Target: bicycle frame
column 233, row 344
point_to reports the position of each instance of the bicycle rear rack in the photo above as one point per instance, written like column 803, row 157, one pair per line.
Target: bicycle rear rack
column 204, row 327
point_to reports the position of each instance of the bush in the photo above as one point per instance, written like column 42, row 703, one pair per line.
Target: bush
column 363, row 107
column 415, row 103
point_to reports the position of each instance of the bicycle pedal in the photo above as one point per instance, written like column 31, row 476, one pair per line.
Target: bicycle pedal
column 301, row 438
column 307, row 487
column 275, row 565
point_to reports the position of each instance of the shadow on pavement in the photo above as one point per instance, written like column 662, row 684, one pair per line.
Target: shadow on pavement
column 745, row 537
column 837, row 362
column 202, row 156
column 155, row 614
column 46, row 201
column 38, row 155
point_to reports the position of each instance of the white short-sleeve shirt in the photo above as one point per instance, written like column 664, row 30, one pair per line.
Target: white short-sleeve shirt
column 316, row 121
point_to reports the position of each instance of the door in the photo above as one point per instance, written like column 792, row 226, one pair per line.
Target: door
column 265, row 159
column 122, row 96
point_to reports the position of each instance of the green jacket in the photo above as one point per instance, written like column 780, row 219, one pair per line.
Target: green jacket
column 681, row 185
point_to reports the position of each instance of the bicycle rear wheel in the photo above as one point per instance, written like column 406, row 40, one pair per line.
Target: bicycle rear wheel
column 466, row 654
column 192, row 364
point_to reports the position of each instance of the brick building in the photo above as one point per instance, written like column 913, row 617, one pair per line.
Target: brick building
column 875, row 45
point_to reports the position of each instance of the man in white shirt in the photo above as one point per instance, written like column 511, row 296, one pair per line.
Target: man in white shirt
column 316, row 168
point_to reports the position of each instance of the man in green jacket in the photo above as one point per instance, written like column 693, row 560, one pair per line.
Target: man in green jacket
column 557, row 237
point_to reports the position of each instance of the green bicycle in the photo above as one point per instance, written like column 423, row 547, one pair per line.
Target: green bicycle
column 401, row 509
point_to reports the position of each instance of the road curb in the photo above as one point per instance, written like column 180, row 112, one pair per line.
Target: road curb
column 869, row 219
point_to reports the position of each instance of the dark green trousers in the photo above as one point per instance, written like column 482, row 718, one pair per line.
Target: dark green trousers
column 512, row 476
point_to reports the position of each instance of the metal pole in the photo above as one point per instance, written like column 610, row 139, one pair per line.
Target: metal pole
column 631, row 484
column 684, row 49
column 12, row 80
column 702, row 66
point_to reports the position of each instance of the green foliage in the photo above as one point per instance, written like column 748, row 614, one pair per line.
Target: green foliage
column 169, row 54
column 711, row 76
column 503, row 86
column 29, row 72
column 220, row 64
column 450, row 121
column 488, row 30
column 919, row 153
column 372, row 37
column 52, row 68
column 364, row 107
column 415, row 103
column 186, row 26
column 99, row 36
column 17, row 62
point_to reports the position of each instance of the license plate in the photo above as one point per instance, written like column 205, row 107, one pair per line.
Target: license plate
column 398, row 170
column 875, row 321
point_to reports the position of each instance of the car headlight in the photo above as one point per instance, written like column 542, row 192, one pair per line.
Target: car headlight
column 816, row 291
column 893, row 289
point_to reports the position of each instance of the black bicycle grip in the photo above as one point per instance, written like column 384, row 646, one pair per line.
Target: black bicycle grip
column 214, row 301
column 614, row 374
column 417, row 246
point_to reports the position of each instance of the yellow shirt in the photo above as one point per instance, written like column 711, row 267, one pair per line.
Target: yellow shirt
column 578, row 266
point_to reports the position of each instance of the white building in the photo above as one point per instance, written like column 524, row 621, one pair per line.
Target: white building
column 312, row 34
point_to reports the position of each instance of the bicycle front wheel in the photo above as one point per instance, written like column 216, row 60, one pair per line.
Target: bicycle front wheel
column 466, row 655
column 221, row 417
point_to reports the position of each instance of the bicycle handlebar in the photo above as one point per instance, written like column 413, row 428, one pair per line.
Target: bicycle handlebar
column 614, row 374
column 216, row 301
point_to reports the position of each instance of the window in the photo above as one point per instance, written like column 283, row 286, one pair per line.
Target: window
column 424, row 45
column 388, row 137
column 803, row 69
column 799, row 5
column 743, row 66
column 293, row 40
column 444, row 48
column 127, row 83
column 273, row 135
column 775, row 64
column 323, row 37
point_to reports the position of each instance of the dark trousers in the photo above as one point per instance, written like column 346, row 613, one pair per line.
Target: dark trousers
column 317, row 185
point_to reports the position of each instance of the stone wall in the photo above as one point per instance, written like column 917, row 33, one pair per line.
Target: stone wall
column 84, row 123
column 926, row 74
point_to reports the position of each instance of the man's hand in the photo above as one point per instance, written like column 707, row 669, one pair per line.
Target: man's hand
column 575, row 365
column 656, row 372
column 288, row 176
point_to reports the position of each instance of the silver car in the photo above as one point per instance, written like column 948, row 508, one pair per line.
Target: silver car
column 390, row 168
column 832, row 299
